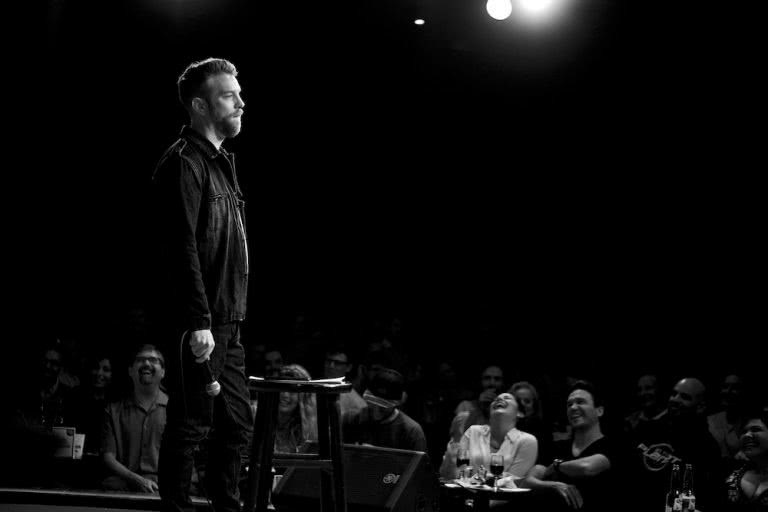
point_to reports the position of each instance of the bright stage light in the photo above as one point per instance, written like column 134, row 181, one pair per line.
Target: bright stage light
column 536, row 7
column 418, row 21
column 499, row 9
column 538, row 12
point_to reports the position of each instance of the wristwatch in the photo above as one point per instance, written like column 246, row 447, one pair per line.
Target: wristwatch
column 556, row 465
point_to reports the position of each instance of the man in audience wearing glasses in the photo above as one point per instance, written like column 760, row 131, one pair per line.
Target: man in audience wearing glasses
column 133, row 427
column 337, row 364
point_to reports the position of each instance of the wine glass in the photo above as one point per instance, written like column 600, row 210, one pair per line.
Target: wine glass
column 462, row 459
column 497, row 468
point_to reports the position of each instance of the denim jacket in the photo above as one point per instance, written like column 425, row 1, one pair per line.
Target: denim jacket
column 199, row 224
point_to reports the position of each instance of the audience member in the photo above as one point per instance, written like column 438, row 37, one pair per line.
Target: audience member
column 441, row 394
column 381, row 422
column 477, row 411
column 296, row 414
column 747, row 486
column 133, row 427
column 726, row 424
column 254, row 358
column 583, row 471
column 500, row 436
column 90, row 400
column 337, row 364
column 680, row 435
column 273, row 361
column 35, row 406
column 376, row 360
column 532, row 415
column 650, row 405
column 50, row 401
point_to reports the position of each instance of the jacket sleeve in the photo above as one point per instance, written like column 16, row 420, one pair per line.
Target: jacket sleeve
column 178, row 196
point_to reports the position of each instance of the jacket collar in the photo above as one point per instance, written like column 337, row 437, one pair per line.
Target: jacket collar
column 202, row 143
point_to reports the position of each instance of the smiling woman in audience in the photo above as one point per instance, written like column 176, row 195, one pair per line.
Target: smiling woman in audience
column 296, row 414
column 747, row 487
column 500, row 436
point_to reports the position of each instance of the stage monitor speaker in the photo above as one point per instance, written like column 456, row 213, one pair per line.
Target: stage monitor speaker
column 375, row 480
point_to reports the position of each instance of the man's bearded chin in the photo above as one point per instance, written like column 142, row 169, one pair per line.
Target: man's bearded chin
column 228, row 126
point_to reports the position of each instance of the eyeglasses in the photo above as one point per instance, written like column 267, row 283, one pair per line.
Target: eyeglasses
column 150, row 360
column 335, row 362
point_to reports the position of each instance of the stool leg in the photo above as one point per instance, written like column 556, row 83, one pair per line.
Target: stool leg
column 324, row 448
column 260, row 475
column 336, row 452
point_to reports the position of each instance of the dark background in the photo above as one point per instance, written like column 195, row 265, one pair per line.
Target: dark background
column 577, row 193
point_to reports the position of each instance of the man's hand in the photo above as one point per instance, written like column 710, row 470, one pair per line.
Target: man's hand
column 145, row 484
column 570, row 494
column 487, row 396
column 201, row 342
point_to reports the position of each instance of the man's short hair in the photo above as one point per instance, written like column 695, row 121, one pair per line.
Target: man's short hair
column 387, row 384
column 141, row 347
column 192, row 80
column 590, row 388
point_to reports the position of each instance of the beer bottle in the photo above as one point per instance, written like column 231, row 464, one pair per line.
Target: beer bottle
column 687, row 495
column 674, row 499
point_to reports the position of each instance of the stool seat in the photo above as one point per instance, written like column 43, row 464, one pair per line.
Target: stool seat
column 328, row 460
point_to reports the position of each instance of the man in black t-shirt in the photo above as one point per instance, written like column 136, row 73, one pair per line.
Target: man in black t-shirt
column 582, row 472
column 680, row 435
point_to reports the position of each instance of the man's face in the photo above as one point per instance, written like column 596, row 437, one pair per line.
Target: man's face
column 225, row 106
column 687, row 398
column 101, row 374
column 273, row 361
column 647, row 392
column 581, row 411
column 493, row 378
column 730, row 391
column 336, row 365
column 525, row 399
column 379, row 413
column 51, row 366
column 147, row 368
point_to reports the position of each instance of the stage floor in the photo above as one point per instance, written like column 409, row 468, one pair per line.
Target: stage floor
column 19, row 499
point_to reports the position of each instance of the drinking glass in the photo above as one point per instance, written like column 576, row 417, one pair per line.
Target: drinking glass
column 497, row 468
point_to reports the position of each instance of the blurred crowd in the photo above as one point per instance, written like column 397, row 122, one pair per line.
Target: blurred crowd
column 580, row 436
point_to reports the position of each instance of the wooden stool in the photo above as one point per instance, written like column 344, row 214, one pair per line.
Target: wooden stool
column 329, row 458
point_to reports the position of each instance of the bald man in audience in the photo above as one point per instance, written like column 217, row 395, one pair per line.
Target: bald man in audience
column 681, row 435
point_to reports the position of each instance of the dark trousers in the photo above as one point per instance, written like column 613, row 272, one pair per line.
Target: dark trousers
column 193, row 416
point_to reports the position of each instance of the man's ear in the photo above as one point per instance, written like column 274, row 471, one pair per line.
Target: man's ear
column 199, row 106
column 600, row 410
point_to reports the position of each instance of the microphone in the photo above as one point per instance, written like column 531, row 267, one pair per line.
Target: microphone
column 212, row 386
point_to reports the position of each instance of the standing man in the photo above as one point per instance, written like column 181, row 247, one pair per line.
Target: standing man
column 202, row 274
